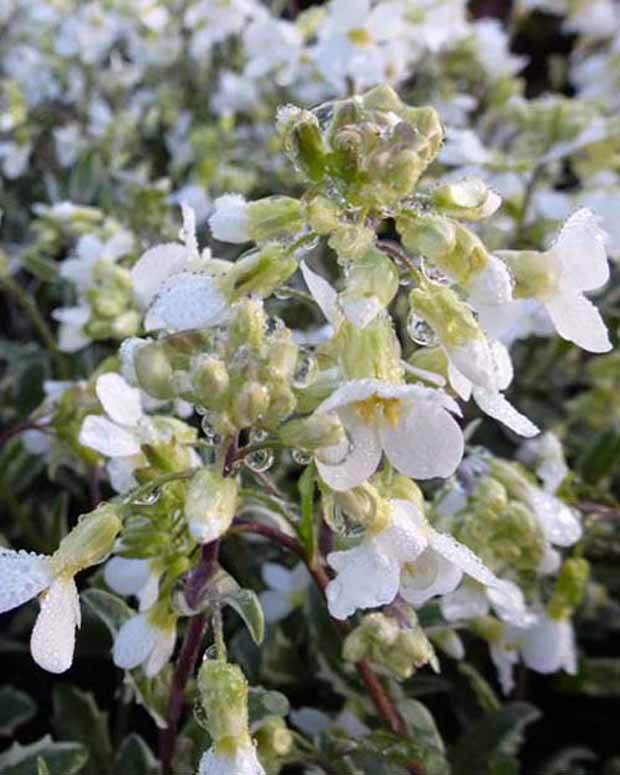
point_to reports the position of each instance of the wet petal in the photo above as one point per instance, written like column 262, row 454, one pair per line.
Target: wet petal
column 186, row 301
column 53, row 637
column 107, row 438
column 461, row 556
column 467, row 602
column 430, row 575
column 560, row 523
column 126, row 576
column 496, row 405
column 155, row 267
column 581, row 249
column 322, row 292
column 549, row 646
column 162, row 651
column 23, row 575
column 120, row 401
column 578, row 320
column 134, row 642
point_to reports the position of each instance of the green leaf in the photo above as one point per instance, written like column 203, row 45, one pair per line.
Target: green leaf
column 487, row 699
column 600, row 457
column 422, row 728
column 134, row 757
column 152, row 693
column 16, row 708
column 247, row 605
column 59, row 758
column 496, row 734
column 42, row 768
column 77, row 717
column 263, row 703
column 306, row 527
column 112, row 611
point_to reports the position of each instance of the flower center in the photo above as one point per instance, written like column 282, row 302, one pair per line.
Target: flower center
column 359, row 37
column 371, row 409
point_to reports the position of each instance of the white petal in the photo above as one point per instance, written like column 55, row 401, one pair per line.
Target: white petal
column 459, row 383
column 277, row 577
column 559, row 522
column 579, row 321
column 53, row 637
column 366, row 578
column 275, row 605
column 162, row 651
column 509, row 604
column 120, row 472
column 229, row 222
column 23, row 575
column 361, row 312
column 461, row 556
column 492, row 285
column 322, row 292
column 188, row 232
column 581, row 250
column 121, row 401
column 430, row 575
column 107, row 438
column 475, row 361
column 155, row 267
column 504, row 660
column 149, row 593
column 186, row 301
column 125, row 575
column 134, row 642
column 497, row 406
column 467, row 602
column 243, row 761
column 362, row 459
column 549, row 646
column 427, row 442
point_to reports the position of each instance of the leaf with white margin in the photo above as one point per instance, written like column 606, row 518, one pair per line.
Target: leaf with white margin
column 53, row 636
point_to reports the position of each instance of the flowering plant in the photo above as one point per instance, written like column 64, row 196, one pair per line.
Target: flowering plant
column 323, row 418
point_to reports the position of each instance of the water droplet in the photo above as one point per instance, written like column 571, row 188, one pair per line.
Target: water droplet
column 257, row 436
column 212, row 437
column 259, row 461
column 433, row 274
column 301, row 457
column 405, row 280
column 273, row 324
column 306, row 368
column 149, row 498
column 200, row 713
column 283, row 293
column 420, row 331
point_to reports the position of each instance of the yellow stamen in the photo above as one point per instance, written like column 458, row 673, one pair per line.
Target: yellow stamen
column 371, row 409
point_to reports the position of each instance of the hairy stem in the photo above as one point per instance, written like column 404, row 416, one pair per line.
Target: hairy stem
column 189, row 653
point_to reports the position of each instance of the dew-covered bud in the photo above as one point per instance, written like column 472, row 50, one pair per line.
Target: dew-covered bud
column 154, row 371
column 273, row 739
column 223, row 691
column 372, row 283
column 351, row 241
column 570, row 588
column 210, row 505
column 314, row 432
column 210, row 381
column 373, row 351
column 303, row 141
column 322, row 215
column 274, row 217
column 127, row 324
column 470, row 199
column 247, row 325
column 250, row 404
column 262, row 271
column 432, row 235
column 365, row 506
column 89, row 542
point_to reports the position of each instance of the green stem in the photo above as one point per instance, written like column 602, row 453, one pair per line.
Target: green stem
column 29, row 306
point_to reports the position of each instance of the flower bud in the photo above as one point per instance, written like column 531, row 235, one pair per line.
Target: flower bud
column 469, row 199
column 303, row 140
column 250, row 404
column 274, row 740
column 274, row 217
column 262, row 271
column 247, row 325
column 322, row 215
column 431, row 235
column 127, row 324
column 372, row 283
column 88, row 543
column 570, row 588
column 154, row 371
column 210, row 381
column 365, row 506
column 351, row 241
column 223, row 693
column 373, row 351
column 210, row 505
column 314, row 432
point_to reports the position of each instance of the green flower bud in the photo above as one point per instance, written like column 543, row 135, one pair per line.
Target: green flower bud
column 274, row 740
column 261, row 272
column 247, row 325
column 469, row 199
column 274, row 217
column 282, row 404
column 88, row 543
column 451, row 318
column 210, row 381
column 282, row 356
column 351, row 241
column 382, row 98
column 372, row 283
column 223, row 692
column 303, row 141
column 126, row 325
column 491, row 494
column 154, row 371
column 395, row 486
column 536, row 275
column 322, row 215
column 210, row 505
column 311, row 433
column 487, row 627
column 365, row 506
column 250, row 404
column 570, row 588
column 373, row 351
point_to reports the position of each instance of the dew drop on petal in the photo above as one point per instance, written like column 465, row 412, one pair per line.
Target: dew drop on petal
column 305, row 370
column 301, row 457
column 420, row 331
column 259, row 461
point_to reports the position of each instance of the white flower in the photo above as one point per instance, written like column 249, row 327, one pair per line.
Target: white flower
column 412, row 424
column 23, row 576
column 578, row 263
column 547, row 454
column 368, row 575
column 71, row 336
column 493, row 49
column 243, row 761
column 14, row 158
column 129, row 576
column 147, row 640
column 89, row 251
column 171, row 282
column 272, row 46
column 362, row 43
column 229, row 222
column 472, row 600
column 560, row 524
column 286, row 589
column 491, row 399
